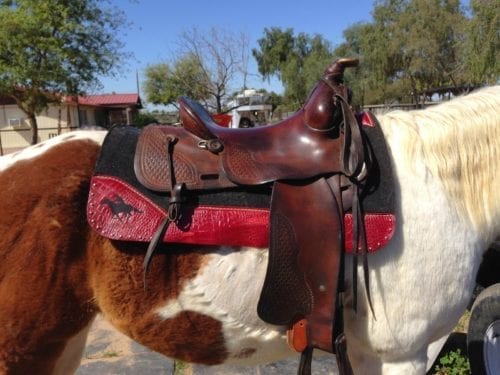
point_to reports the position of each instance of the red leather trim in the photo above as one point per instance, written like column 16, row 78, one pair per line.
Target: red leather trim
column 366, row 119
column 379, row 228
column 117, row 211
column 206, row 225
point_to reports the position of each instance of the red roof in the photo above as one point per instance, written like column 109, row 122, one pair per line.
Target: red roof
column 110, row 100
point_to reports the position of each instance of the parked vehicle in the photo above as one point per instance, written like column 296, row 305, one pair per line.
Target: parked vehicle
column 483, row 336
column 251, row 109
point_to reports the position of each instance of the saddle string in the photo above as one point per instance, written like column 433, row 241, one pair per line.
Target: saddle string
column 357, row 173
column 338, row 336
column 356, row 161
column 174, row 208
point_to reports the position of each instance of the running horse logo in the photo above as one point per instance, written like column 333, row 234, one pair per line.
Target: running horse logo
column 119, row 208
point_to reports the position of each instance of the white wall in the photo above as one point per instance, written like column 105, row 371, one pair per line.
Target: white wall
column 19, row 135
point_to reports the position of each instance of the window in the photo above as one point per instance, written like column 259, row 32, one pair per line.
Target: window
column 15, row 122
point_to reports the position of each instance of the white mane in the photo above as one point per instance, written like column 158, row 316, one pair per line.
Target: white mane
column 458, row 141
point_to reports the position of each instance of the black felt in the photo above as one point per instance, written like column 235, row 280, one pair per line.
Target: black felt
column 117, row 159
column 379, row 193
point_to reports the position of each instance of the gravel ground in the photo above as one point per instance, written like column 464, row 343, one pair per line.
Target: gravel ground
column 109, row 352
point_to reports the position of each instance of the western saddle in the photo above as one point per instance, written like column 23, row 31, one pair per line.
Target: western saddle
column 317, row 162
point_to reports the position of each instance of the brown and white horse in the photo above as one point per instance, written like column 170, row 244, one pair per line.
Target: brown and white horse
column 56, row 274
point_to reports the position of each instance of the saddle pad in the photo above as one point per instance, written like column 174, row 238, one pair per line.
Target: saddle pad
column 121, row 208
column 118, row 211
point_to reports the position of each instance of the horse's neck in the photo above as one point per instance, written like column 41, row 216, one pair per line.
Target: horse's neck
column 459, row 144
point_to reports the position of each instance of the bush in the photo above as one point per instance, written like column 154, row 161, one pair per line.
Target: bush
column 453, row 363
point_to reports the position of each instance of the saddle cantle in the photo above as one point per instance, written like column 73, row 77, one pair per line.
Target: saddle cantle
column 318, row 163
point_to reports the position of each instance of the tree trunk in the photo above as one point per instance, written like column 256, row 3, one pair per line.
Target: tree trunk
column 34, row 128
column 59, row 115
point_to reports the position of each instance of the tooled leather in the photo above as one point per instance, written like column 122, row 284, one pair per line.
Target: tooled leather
column 285, row 294
column 150, row 162
column 312, row 265
column 240, row 163
column 196, row 167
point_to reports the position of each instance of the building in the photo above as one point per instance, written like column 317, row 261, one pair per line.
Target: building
column 70, row 114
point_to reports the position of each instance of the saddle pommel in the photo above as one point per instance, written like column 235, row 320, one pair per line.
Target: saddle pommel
column 320, row 112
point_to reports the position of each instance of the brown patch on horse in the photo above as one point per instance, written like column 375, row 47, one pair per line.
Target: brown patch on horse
column 116, row 276
column 189, row 336
column 44, row 295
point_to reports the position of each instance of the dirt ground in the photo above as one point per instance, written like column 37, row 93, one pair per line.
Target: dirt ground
column 108, row 352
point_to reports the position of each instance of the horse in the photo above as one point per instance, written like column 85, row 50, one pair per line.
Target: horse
column 57, row 274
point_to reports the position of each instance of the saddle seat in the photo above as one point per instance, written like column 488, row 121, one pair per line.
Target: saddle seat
column 299, row 147
column 253, row 156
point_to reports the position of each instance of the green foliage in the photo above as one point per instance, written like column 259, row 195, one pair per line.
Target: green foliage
column 165, row 84
column 204, row 68
column 481, row 47
column 412, row 47
column 55, row 46
column 181, row 368
column 453, row 363
column 142, row 119
column 297, row 60
column 430, row 55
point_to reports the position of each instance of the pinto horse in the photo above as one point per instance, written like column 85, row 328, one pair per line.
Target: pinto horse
column 56, row 273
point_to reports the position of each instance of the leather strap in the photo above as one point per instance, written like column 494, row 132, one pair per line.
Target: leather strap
column 341, row 355
column 174, row 208
column 305, row 361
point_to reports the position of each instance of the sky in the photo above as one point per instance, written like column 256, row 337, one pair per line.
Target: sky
column 157, row 24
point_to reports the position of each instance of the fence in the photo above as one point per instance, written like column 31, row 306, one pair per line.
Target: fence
column 378, row 109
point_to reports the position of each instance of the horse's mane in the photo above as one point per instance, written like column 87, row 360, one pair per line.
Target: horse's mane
column 458, row 141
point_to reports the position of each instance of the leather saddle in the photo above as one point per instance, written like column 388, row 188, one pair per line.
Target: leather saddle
column 316, row 161
column 306, row 145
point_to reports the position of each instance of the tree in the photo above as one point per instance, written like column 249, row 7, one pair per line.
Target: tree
column 165, row 83
column 49, row 48
column 297, row 60
column 430, row 32
column 205, row 67
column 382, row 51
column 142, row 119
column 356, row 41
column 482, row 44
column 409, row 48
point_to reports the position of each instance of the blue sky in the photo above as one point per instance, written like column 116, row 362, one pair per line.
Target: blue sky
column 157, row 24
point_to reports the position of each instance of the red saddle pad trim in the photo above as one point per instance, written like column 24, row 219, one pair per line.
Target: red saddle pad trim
column 119, row 212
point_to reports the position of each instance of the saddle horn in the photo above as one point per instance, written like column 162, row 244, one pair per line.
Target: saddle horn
column 320, row 111
column 338, row 66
